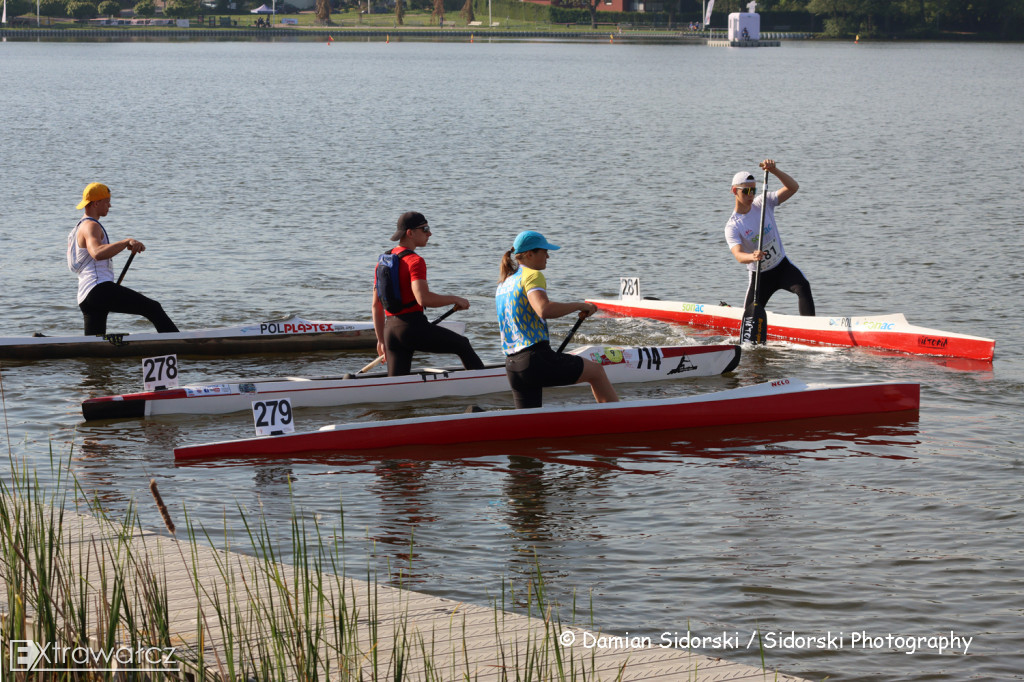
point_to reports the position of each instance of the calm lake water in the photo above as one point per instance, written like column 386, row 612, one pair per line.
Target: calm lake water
column 264, row 178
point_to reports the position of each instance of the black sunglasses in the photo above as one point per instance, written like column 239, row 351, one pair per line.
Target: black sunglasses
column 747, row 190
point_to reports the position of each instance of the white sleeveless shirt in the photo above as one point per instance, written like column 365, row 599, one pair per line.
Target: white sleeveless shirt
column 90, row 271
column 743, row 228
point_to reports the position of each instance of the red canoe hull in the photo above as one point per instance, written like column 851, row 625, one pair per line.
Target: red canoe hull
column 887, row 332
column 782, row 400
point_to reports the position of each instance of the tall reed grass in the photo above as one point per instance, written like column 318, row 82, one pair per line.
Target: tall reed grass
column 99, row 581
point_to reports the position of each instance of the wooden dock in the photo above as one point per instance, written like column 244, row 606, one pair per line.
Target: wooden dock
column 434, row 638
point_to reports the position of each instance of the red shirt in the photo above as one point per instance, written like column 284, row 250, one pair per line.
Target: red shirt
column 410, row 268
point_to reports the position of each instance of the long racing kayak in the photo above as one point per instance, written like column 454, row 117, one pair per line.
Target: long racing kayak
column 888, row 332
column 781, row 400
column 292, row 334
column 623, row 365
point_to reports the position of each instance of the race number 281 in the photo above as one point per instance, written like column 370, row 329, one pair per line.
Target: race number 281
column 629, row 288
column 273, row 417
column 159, row 373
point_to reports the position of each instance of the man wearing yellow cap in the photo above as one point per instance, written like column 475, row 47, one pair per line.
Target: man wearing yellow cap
column 89, row 254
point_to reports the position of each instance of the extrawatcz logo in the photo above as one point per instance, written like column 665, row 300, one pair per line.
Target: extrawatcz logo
column 25, row 655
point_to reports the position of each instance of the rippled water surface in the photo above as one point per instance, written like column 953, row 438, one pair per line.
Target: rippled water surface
column 264, row 178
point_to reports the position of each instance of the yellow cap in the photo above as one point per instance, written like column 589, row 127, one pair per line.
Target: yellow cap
column 94, row 191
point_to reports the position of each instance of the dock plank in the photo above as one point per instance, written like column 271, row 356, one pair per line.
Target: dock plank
column 485, row 643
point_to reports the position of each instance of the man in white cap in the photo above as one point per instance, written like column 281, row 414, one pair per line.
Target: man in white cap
column 89, row 254
column 741, row 234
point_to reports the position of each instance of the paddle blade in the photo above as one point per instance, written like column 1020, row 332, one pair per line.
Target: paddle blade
column 754, row 327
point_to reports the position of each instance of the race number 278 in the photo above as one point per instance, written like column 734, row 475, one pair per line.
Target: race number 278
column 159, row 373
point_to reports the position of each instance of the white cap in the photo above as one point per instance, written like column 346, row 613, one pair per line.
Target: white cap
column 742, row 178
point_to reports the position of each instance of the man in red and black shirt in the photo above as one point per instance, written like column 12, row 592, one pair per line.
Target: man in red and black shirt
column 402, row 333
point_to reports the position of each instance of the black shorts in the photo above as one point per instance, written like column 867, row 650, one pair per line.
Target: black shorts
column 533, row 368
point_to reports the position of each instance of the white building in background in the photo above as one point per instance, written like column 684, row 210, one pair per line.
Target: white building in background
column 749, row 21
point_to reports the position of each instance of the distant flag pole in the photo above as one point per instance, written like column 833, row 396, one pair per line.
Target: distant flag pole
column 4, row 20
column 707, row 16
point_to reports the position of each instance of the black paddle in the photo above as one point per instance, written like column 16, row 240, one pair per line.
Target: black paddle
column 754, row 327
column 565, row 341
column 381, row 358
column 124, row 270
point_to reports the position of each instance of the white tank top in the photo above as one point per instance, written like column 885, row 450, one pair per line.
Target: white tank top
column 90, row 271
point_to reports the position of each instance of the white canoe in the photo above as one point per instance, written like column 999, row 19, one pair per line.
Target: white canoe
column 289, row 335
column 887, row 332
column 623, row 365
column 781, row 400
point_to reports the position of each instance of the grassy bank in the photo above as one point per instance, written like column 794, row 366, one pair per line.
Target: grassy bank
column 71, row 584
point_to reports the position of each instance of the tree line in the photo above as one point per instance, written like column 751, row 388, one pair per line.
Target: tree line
column 1002, row 19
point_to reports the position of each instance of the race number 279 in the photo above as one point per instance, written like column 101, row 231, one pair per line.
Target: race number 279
column 273, row 417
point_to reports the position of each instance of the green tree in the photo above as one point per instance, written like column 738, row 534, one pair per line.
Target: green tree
column 81, row 10
column 323, row 12
column 181, row 9
column 467, row 11
column 110, row 8
column 438, row 12
column 145, row 9
column 53, row 8
column 399, row 13
column 15, row 8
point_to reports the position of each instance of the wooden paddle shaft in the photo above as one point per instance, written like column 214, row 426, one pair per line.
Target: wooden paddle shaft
column 124, row 270
column 565, row 341
column 760, row 234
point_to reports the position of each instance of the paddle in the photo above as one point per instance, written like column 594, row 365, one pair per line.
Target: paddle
column 124, row 270
column 381, row 358
column 754, row 327
column 565, row 341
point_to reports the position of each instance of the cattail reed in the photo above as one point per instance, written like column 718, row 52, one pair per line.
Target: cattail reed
column 161, row 506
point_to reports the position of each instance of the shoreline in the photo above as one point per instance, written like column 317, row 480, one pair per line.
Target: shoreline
column 340, row 33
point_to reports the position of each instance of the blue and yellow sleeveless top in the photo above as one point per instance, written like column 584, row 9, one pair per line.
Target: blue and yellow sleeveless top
column 521, row 326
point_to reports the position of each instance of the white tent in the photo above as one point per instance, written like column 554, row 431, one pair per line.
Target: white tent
column 262, row 9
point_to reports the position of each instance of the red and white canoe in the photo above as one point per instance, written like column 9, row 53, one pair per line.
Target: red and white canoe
column 781, row 400
column 623, row 365
column 888, row 332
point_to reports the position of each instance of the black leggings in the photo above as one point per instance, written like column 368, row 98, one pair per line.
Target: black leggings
column 533, row 368
column 787, row 276
column 107, row 297
column 405, row 334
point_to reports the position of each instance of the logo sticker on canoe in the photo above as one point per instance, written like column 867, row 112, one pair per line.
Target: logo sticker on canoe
column 209, row 389
column 931, row 342
column 684, row 366
column 296, row 327
column 246, row 388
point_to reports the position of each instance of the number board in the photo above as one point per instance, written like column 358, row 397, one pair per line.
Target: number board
column 273, row 417
column 629, row 288
column 160, row 373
